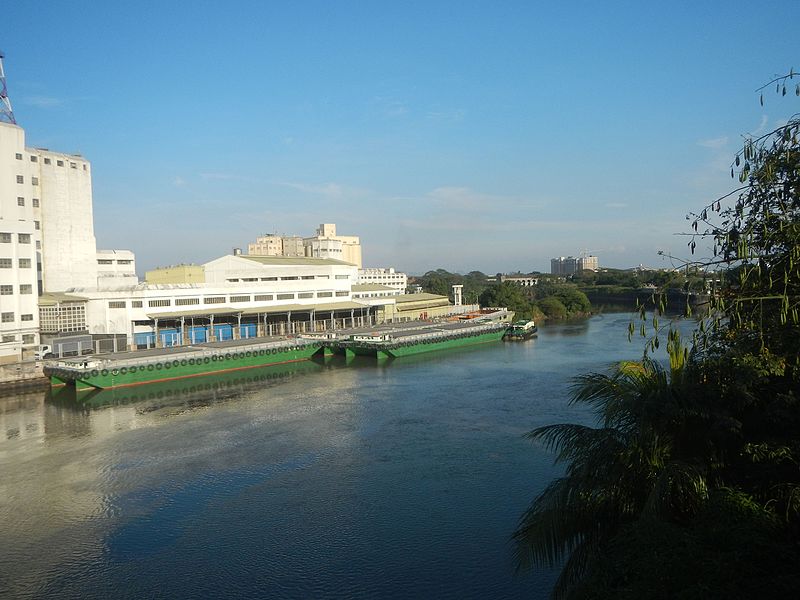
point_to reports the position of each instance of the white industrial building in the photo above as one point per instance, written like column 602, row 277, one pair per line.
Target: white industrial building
column 384, row 276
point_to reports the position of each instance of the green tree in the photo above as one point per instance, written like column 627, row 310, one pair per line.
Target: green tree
column 680, row 455
column 552, row 307
column 508, row 295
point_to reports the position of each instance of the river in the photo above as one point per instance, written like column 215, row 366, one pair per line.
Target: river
column 363, row 480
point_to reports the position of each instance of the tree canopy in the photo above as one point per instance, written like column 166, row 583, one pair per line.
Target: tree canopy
column 698, row 462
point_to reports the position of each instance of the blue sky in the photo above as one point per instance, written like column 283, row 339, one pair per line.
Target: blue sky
column 463, row 135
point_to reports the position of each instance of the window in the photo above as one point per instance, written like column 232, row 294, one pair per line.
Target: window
column 104, row 261
column 84, row 167
column 7, row 317
column 24, row 238
column 34, row 181
column 250, row 279
column 323, row 276
column 339, row 294
column 186, row 301
column 262, row 297
column 124, row 262
column 292, row 278
column 18, row 156
column 240, row 298
column 342, row 277
column 39, row 247
column 324, row 294
column 5, row 263
column 214, row 299
column 37, row 225
column 152, row 303
column 269, row 279
column 285, row 296
column 5, row 238
column 305, row 295
column 24, row 263
column 6, row 290
column 307, row 277
column 20, row 201
column 26, row 317
column 60, row 163
column 25, row 289
column 20, row 179
column 72, row 165
column 136, row 304
column 9, row 338
column 117, row 304
column 28, row 338
column 34, row 158
column 47, row 161
column 35, row 202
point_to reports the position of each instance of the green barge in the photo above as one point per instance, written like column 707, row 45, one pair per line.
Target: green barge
column 126, row 369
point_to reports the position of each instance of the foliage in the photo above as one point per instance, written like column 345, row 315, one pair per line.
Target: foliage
column 509, row 295
column 441, row 282
column 690, row 484
column 553, row 308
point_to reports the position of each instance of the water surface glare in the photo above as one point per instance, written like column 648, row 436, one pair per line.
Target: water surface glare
column 367, row 480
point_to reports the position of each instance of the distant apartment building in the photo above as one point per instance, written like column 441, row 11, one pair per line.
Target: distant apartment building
column 570, row 265
column 588, row 263
column 327, row 244
column 384, row 276
column 324, row 244
column 277, row 245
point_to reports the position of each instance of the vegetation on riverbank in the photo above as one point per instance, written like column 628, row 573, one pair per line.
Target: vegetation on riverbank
column 548, row 300
column 690, row 484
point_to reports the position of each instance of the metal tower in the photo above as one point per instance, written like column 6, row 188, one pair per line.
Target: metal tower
column 6, row 113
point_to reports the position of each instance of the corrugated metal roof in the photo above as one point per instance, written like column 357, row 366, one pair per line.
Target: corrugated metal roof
column 419, row 298
column 53, row 298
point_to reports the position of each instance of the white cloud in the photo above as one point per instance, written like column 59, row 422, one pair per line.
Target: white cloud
column 327, row 190
column 714, row 143
column 43, row 101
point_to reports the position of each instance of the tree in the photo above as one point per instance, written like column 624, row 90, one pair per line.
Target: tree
column 508, row 295
column 714, row 443
column 632, row 465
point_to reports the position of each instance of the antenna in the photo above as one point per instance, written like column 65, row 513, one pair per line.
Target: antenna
column 6, row 113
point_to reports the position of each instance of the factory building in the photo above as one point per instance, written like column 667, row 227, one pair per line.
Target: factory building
column 384, row 276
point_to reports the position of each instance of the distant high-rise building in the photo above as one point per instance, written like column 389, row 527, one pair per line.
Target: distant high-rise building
column 570, row 265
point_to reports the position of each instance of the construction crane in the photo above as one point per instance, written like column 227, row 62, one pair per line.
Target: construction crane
column 6, row 113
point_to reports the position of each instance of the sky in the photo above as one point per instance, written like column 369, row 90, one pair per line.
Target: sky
column 463, row 135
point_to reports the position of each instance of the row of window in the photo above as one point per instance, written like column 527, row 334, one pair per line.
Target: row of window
column 34, row 180
column 8, row 290
column 221, row 299
column 8, row 263
column 22, row 238
column 65, row 317
column 288, row 278
column 27, row 338
column 47, row 161
column 8, row 317
column 108, row 261
column 21, row 201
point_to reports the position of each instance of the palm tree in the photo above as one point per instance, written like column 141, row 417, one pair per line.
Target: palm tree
column 638, row 462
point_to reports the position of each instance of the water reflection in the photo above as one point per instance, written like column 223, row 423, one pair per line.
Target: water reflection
column 362, row 478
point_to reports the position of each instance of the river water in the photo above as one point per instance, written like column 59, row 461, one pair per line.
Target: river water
column 402, row 479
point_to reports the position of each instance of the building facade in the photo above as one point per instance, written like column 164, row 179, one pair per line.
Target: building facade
column 384, row 276
column 327, row 244
column 20, row 243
